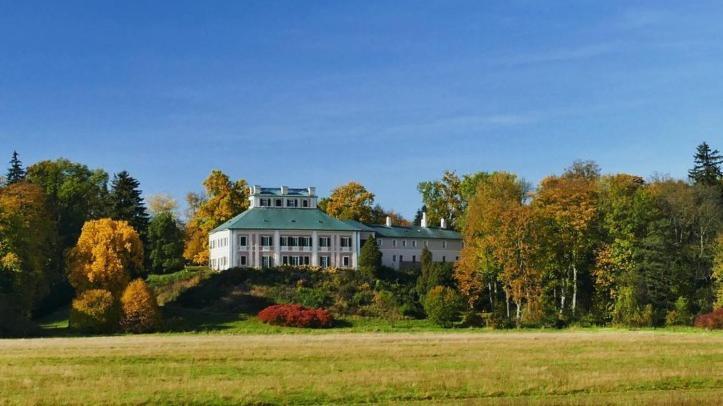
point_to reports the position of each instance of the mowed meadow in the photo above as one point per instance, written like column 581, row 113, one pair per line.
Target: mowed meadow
column 584, row 366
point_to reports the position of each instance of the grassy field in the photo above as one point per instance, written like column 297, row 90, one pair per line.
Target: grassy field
column 591, row 367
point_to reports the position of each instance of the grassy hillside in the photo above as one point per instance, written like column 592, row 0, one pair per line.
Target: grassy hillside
column 510, row 367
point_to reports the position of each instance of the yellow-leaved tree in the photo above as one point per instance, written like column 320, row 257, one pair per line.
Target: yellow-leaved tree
column 107, row 254
column 224, row 199
column 349, row 202
column 139, row 309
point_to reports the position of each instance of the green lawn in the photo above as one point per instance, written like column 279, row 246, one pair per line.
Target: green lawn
column 586, row 366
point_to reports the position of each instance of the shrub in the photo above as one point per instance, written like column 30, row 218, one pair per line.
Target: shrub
column 139, row 309
column 291, row 315
column 94, row 311
column 679, row 316
column 443, row 306
column 311, row 297
column 712, row 320
column 385, row 305
column 435, row 274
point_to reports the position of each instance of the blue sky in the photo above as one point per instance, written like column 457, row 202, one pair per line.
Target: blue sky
column 385, row 93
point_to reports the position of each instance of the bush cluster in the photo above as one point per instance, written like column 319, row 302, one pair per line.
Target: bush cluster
column 95, row 311
column 139, row 309
column 443, row 306
column 291, row 315
column 712, row 320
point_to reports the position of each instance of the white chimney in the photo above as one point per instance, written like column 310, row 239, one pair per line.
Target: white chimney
column 424, row 219
column 312, row 191
column 389, row 221
column 443, row 223
column 284, row 190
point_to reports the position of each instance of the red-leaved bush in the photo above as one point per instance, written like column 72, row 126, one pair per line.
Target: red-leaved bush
column 712, row 320
column 292, row 315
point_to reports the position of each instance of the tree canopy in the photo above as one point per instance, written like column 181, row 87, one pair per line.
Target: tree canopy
column 223, row 200
column 349, row 202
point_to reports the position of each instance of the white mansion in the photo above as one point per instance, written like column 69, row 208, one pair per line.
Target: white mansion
column 283, row 226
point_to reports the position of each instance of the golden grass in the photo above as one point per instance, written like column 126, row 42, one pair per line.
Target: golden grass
column 495, row 367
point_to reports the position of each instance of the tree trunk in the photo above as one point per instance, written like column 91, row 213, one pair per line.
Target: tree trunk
column 574, row 288
column 507, row 300
column 492, row 302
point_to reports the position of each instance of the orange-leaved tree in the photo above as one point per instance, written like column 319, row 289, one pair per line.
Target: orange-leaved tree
column 568, row 204
column 139, row 309
column 224, row 199
column 481, row 263
column 349, row 202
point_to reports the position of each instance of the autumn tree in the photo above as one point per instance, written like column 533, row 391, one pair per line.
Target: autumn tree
column 139, row 308
column 443, row 199
column 568, row 206
column 447, row 198
column 625, row 209
column 223, row 200
column 107, row 254
column 28, row 238
column 126, row 202
column 350, row 202
column 162, row 203
column 379, row 216
column 479, row 268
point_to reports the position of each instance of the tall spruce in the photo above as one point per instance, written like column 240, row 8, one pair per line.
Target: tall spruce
column 16, row 172
column 127, row 204
column 707, row 169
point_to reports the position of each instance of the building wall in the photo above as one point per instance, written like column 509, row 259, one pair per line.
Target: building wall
column 253, row 253
column 410, row 250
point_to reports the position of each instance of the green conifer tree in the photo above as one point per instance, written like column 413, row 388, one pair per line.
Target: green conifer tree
column 707, row 169
column 16, row 172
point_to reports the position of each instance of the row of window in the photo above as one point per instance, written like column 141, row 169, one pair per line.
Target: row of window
column 413, row 243
column 219, row 242
column 294, row 241
column 267, row 261
column 414, row 258
column 269, row 202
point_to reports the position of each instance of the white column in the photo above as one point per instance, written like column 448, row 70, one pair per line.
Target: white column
column 277, row 247
column 337, row 263
column 257, row 250
column 314, row 249
column 354, row 249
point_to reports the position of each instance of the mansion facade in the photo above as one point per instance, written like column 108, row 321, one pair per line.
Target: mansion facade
column 284, row 226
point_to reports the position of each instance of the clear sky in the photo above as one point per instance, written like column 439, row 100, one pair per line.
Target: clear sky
column 386, row 93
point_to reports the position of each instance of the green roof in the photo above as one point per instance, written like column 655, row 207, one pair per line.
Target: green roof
column 406, row 232
column 415, row 232
column 276, row 218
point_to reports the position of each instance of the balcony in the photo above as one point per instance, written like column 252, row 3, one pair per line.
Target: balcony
column 295, row 249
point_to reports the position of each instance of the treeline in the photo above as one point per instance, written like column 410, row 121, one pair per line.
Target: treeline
column 580, row 247
column 588, row 248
